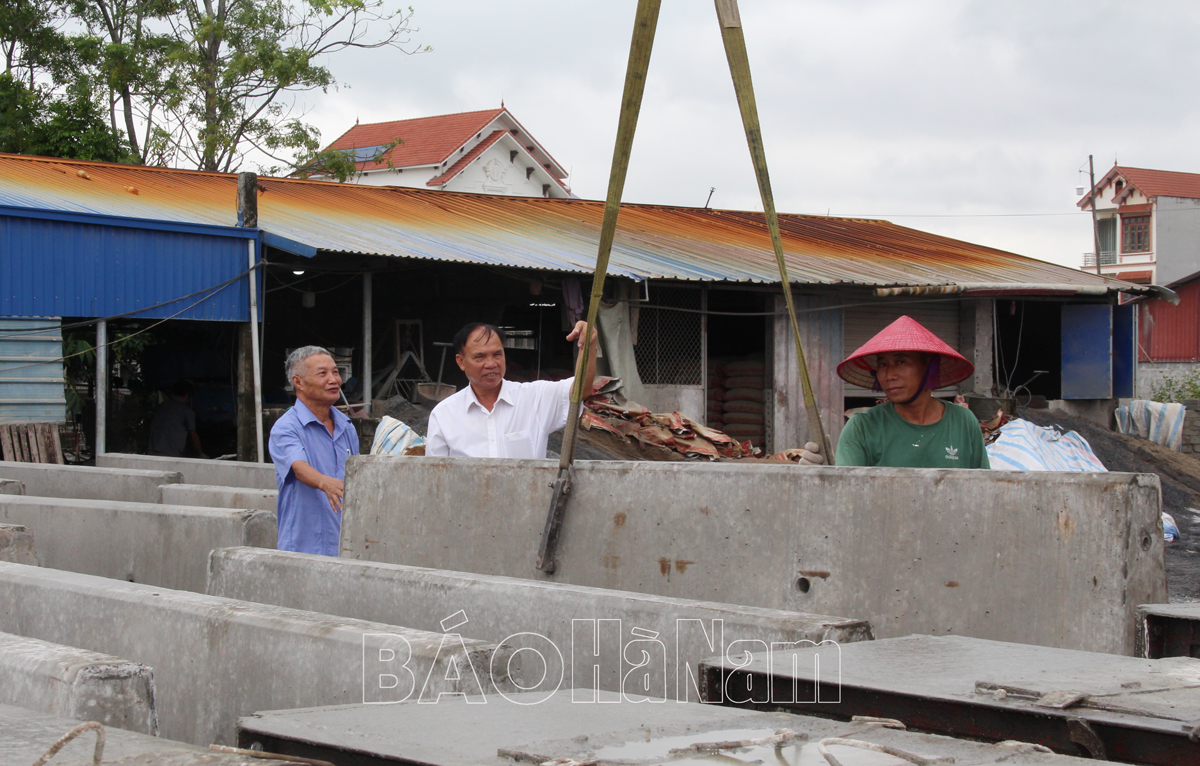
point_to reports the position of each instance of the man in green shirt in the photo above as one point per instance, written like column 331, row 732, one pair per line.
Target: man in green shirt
column 906, row 362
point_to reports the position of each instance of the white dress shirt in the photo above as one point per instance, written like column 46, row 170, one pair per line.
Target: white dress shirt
column 520, row 423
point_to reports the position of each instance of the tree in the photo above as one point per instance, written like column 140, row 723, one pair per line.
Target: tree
column 48, row 103
column 33, row 121
column 228, row 81
column 134, row 57
column 31, row 43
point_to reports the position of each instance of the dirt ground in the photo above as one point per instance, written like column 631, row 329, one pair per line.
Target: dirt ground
column 1180, row 477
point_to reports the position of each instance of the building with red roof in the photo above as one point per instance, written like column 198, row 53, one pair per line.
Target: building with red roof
column 1148, row 224
column 484, row 152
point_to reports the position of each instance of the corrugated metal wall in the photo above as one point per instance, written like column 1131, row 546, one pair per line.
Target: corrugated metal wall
column 31, row 372
column 865, row 322
column 54, row 267
column 1171, row 333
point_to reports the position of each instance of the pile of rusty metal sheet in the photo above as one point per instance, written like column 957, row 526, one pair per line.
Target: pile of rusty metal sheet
column 581, row 726
column 1078, row 703
column 649, row 433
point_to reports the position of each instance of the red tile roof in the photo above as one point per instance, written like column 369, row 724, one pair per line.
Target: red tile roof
column 426, row 140
column 467, row 159
column 1153, row 183
column 1136, row 277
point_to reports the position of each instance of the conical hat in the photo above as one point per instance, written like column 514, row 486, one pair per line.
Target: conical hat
column 905, row 334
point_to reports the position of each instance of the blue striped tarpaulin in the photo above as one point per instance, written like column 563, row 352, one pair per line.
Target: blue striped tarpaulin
column 1023, row 446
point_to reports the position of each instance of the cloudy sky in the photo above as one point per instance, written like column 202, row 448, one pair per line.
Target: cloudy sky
column 969, row 119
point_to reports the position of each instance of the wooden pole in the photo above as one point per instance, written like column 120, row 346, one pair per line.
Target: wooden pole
column 1095, row 225
column 644, row 26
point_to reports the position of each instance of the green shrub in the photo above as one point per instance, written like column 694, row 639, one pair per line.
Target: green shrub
column 1177, row 387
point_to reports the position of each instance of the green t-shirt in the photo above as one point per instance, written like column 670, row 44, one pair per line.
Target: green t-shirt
column 880, row 437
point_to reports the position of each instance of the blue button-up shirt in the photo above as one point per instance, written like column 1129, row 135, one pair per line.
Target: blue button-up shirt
column 307, row 523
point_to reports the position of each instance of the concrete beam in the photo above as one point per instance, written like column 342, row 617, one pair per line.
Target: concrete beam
column 209, row 496
column 223, row 473
column 88, row 483
column 29, row 733
column 498, row 608
column 11, row 487
column 216, row 659
column 165, row 545
column 911, row 550
column 16, row 545
column 76, row 683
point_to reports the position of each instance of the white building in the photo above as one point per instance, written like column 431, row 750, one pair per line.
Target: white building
column 1148, row 224
column 485, row 152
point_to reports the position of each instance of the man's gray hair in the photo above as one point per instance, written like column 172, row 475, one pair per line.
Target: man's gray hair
column 292, row 366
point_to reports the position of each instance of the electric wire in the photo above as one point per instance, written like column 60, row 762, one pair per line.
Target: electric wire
column 111, row 343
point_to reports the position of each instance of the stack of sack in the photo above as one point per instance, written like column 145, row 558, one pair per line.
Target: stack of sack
column 742, row 407
column 715, row 416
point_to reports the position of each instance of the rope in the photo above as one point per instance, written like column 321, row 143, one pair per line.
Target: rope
column 739, row 68
column 644, row 26
column 72, row 734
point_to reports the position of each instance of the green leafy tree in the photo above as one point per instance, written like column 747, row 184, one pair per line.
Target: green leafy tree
column 243, row 64
column 71, row 125
column 133, row 52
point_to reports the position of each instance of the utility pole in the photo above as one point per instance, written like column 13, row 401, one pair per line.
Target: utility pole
column 1092, row 202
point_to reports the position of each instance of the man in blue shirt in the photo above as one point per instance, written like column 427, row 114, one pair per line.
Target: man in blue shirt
column 309, row 446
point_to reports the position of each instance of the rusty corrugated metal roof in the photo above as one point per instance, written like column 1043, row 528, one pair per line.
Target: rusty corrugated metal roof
column 652, row 241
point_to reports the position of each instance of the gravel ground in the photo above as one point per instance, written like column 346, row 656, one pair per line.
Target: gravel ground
column 1180, row 477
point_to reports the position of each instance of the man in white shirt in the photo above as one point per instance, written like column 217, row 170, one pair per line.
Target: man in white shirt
column 494, row 417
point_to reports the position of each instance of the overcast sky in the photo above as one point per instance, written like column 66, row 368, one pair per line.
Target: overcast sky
column 969, row 119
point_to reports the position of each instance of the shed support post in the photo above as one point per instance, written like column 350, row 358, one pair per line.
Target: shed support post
column 255, row 365
column 101, row 387
column 976, row 342
column 368, row 344
column 246, row 436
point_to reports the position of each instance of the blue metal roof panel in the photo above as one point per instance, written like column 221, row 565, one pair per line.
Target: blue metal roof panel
column 73, row 268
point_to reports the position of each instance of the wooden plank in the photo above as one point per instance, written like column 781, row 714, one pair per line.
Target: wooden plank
column 48, row 440
column 28, row 445
column 6, row 443
column 21, row 443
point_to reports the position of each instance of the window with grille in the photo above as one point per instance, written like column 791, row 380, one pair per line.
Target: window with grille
column 669, row 343
column 1135, row 234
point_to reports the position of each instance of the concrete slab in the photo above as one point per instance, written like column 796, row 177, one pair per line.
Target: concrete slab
column 1109, row 707
column 560, row 622
column 621, row 732
column 224, row 473
column 86, row 482
column 76, row 683
column 28, row 734
column 1169, row 630
column 212, row 496
column 16, row 545
column 165, row 545
column 1054, row 559
column 215, row 659
column 11, row 487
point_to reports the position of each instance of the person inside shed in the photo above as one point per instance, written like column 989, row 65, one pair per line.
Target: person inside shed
column 494, row 417
column 309, row 445
column 911, row 429
column 173, row 427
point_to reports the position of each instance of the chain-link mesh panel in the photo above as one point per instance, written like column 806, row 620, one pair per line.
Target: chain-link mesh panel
column 669, row 344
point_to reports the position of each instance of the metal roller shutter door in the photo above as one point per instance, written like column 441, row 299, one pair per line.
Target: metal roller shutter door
column 863, row 322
